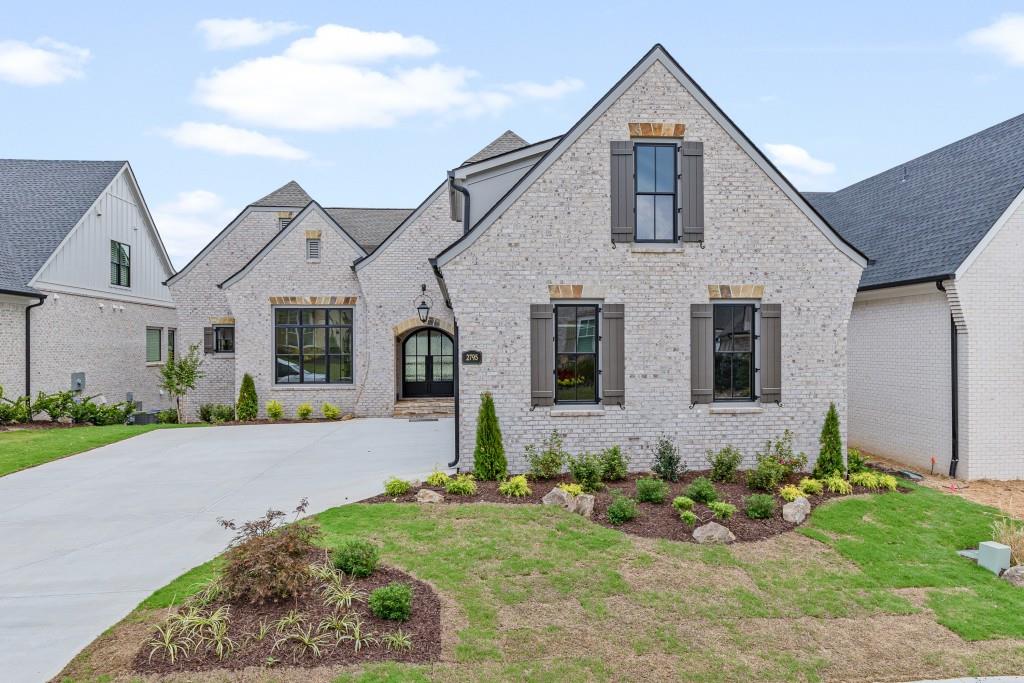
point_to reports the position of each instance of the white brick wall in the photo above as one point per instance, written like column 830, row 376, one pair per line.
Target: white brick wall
column 899, row 370
column 12, row 341
column 558, row 232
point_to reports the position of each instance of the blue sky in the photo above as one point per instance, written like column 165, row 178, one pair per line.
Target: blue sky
column 368, row 104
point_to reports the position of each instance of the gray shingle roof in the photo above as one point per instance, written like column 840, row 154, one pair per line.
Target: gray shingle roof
column 40, row 202
column 368, row 227
column 503, row 144
column 921, row 219
column 289, row 195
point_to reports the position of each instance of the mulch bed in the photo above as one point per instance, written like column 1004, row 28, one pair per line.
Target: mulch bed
column 423, row 626
column 39, row 424
column 652, row 520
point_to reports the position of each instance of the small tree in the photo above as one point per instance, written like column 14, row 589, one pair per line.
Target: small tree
column 489, row 454
column 830, row 457
column 248, row 403
column 178, row 376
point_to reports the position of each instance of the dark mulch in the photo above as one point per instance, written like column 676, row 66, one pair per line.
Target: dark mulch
column 423, row 626
column 40, row 424
column 652, row 520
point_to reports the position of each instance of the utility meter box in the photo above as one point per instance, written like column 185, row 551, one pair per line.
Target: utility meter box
column 77, row 381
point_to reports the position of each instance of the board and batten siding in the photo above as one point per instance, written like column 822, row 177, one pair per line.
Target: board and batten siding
column 82, row 262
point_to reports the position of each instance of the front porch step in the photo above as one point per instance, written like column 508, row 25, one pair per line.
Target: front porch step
column 418, row 408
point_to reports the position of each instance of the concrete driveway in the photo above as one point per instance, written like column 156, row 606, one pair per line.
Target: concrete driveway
column 83, row 540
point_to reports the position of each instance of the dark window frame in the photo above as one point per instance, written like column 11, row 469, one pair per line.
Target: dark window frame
column 754, row 308
column 218, row 338
column 596, row 353
column 301, row 327
column 120, row 273
column 159, row 344
column 674, row 193
column 172, row 340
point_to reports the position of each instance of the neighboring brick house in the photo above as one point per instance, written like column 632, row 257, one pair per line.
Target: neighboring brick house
column 82, row 262
column 935, row 337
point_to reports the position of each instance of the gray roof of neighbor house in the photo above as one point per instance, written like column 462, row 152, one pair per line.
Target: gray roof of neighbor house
column 503, row 144
column 368, row 227
column 289, row 195
column 921, row 219
column 40, row 202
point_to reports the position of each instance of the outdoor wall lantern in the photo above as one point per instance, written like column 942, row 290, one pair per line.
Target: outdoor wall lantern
column 423, row 309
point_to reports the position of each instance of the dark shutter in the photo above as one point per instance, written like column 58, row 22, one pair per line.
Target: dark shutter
column 622, row 191
column 771, row 353
column 691, row 190
column 702, row 355
column 542, row 354
column 208, row 340
column 613, row 355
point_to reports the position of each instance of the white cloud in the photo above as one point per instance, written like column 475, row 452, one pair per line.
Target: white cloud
column 1004, row 37
column 225, row 34
column 794, row 158
column 551, row 91
column 323, row 83
column 44, row 62
column 217, row 137
column 189, row 222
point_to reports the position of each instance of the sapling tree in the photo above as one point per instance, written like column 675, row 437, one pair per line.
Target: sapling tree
column 830, row 457
column 178, row 376
column 489, row 454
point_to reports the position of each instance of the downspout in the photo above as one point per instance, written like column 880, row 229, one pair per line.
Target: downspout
column 465, row 200
column 954, row 459
column 455, row 343
column 28, row 344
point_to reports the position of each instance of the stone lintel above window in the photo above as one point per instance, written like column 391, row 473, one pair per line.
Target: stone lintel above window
column 313, row 300
column 735, row 291
column 645, row 129
column 564, row 291
column 223, row 320
column 312, row 234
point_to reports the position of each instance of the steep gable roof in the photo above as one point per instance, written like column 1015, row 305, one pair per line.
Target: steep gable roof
column 921, row 219
column 40, row 202
column 289, row 195
column 656, row 54
column 368, row 227
column 503, row 144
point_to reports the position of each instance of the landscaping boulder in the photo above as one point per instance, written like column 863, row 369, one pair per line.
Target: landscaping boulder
column 1015, row 575
column 713, row 532
column 584, row 505
column 797, row 511
column 559, row 497
column 428, row 496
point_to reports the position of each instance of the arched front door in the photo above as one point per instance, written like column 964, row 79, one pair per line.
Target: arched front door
column 428, row 364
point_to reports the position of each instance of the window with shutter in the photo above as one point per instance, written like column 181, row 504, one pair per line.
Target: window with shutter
column 542, row 358
column 656, row 185
column 622, row 191
column 771, row 353
column 153, row 344
column 702, row 334
column 120, row 264
column 691, row 188
column 613, row 355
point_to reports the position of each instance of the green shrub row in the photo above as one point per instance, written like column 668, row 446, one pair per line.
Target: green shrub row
column 63, row 405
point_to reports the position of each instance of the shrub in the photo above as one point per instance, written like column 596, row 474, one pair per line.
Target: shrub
column 462, row 485
column 18, row 410
column 865, row 478
column 393, row 601
column 206, row 412
column 395, row 487
column 722, row 509
column 789, row 493
column 330, row 411
column 767, row 475
column 855, row 462
column 830, row 457
column 248, row 405
column 688, row 517
column 489, row 455
column 811, row 487
column 572, row 489
column 168, row 416
column 586, row 469
column 724, row 464
column 268, row 558
column 356, row 557
column 1011, row 533
column 547, row 463
column 759, row 505
column 682, row 503
column 702, row 490
column 56, row 406
column 516, row 487
column 651, row 490
column 836, row 484
column 888, row 482
column 614, row 465
column 782, row 453
column 621, row 509
column 84, row 410
column 304, row 411
column 437, row 479
column 223, row 413
column 667, row 463
column 275, row 411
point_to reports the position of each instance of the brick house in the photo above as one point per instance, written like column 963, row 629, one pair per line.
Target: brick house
column 83, row 305
column 934, row 351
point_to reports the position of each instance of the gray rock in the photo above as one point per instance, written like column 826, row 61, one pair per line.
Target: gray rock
column 1015, row 575
column 797, row 511
column 713, row 532
column 559, row 497
column 584, row 505
column 428, row 496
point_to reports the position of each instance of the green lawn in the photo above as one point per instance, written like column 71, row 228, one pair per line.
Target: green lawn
column 870, row 589
column 21, row 449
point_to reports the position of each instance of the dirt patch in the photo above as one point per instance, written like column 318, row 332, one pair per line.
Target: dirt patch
column 653, row 520
column 423, row 627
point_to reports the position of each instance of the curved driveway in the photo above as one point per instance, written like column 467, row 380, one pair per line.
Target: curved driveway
column 83, row 540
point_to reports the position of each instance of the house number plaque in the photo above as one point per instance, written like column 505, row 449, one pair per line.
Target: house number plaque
column 471, row 357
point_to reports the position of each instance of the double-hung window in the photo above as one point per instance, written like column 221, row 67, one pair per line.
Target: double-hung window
column 224, row 339
column 656, row 187
column 153, row 344
column 734, row 336
column 576, row 342
column 313, row 345
column 120, row 264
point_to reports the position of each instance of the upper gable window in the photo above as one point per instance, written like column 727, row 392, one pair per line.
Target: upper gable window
column 656, row 192
column 120, row 264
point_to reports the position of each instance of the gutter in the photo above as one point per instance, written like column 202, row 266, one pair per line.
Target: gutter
column 954, row 458
column 465, row 203
column 937, row 279
column 28, row 343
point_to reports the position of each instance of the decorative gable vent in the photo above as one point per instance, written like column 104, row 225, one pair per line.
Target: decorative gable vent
column 313, row 249
column 282, row 223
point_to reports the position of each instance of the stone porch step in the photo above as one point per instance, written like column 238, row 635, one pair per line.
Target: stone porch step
column 415, row 408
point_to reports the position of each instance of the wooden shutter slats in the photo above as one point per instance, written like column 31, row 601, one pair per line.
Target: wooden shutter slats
column 208, row 340
column 623, row 216
column 613, row 355
column 542, row 355
column 771, row 353
column 702, row 357
column 691, row 196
